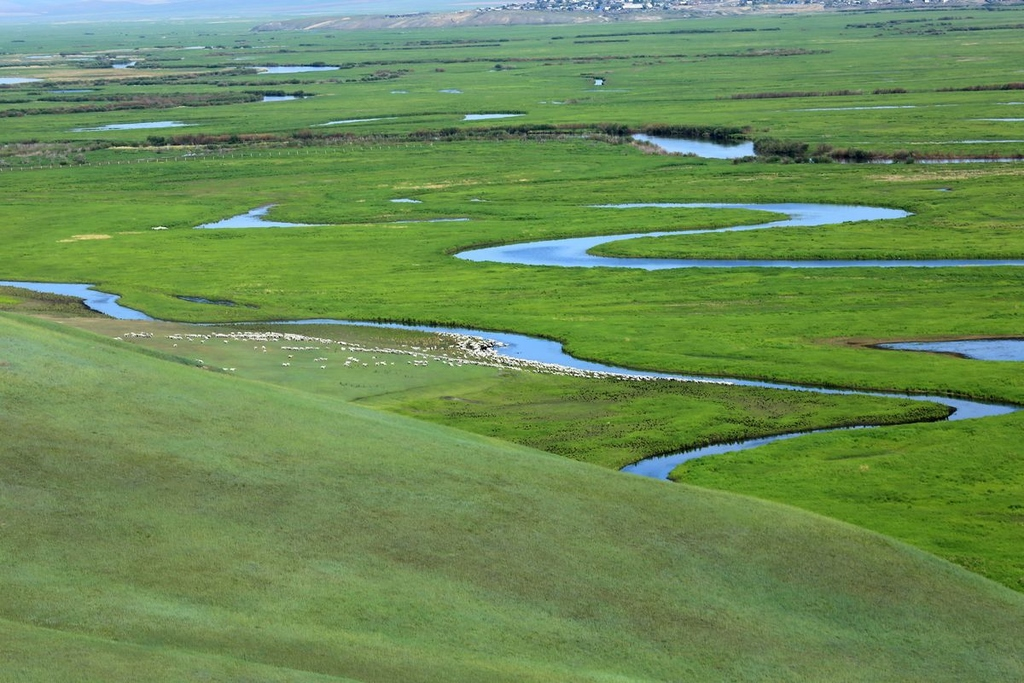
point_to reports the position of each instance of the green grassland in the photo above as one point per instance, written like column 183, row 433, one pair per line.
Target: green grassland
column 260, row 523
column 915, row 67
column 784, row 325
column 925, row 486
column 270, row 533
column 900, row 482
column 806, row 327
column 606, row 421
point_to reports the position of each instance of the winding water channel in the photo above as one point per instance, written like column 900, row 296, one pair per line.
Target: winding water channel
column 573, row 253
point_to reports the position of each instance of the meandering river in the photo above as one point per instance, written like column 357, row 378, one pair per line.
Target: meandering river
column 573, row 253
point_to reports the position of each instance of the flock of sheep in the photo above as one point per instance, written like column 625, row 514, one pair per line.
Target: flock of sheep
column 459, row 350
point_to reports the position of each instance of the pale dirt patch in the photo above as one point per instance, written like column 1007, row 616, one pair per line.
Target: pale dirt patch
column 58, row 73
column 80, row 238
column 949, row 174
column 436, row 186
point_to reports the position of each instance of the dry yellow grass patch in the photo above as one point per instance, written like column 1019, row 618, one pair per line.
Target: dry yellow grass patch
column 959, row 174
column 79, row 238
column 59, row 73
column 435, row 186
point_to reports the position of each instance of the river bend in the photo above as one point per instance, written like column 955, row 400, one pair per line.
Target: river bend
column 573, row 253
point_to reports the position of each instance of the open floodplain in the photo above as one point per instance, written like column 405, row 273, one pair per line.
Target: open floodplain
column 245, row 500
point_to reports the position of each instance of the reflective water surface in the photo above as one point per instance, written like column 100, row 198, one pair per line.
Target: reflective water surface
column 485, row 117
column 976, row 349
column 251, row 219
column 294, row 69
column 573, row 253
column 700, row 148
column 132, row 126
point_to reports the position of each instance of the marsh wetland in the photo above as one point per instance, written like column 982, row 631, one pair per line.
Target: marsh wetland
column 495, row 281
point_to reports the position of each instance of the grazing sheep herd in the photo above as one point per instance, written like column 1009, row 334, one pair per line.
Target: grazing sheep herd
column 459, row 350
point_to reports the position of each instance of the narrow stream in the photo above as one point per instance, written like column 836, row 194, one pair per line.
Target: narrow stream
column 551, row 352
column 573, row 253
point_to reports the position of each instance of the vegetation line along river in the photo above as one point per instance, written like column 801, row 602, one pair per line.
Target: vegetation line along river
column 573, row 253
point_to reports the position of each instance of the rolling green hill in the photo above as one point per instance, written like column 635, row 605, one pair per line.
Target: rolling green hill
column 164, row 521
column 254, row 532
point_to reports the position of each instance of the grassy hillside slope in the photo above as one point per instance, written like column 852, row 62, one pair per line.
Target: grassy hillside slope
column 161, row 520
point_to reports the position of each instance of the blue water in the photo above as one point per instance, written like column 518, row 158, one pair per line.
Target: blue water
column 977, row 349
column 251, row 219
column 133, row 126
column 295, row 69
column 487, row 117
column 572, row 253
column 98, row 301
column 551, row 352
column 347, row 121
column 701, row 148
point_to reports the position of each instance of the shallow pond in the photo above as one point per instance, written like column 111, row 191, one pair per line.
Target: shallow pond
column 251, row 219
column 485, row 117
column 433, row 220
column 996, row 160
column 294, row 69
column 976, row 349
column 887, row 106
column 700, row 148
column 133, row 126
column 18, row 81
column 344, row 121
